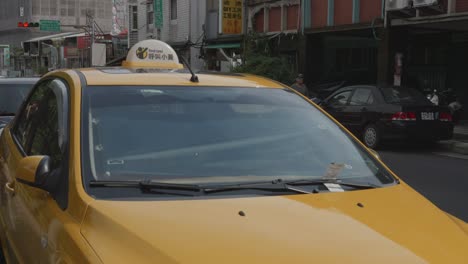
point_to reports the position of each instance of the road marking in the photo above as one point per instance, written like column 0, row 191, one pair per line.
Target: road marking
column 451, row 155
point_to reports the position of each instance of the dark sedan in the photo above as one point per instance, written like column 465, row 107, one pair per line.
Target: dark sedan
column 12, row 93
column 377, row 114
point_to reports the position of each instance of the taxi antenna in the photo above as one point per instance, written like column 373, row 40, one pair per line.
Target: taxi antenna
column 194, row 77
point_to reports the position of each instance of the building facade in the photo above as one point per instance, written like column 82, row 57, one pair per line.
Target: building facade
column 433, row 42
column 421, row 44
column 342, row 40
column 73, row 16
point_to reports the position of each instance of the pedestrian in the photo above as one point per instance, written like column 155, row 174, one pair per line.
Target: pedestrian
column 299, row 85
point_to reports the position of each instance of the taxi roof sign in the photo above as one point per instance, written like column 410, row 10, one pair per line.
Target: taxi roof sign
column 152, row 53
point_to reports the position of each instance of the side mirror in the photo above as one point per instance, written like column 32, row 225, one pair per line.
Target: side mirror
column 33, row 169
column 375, row 153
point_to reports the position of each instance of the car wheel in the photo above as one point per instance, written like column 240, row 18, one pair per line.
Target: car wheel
column 371, row 136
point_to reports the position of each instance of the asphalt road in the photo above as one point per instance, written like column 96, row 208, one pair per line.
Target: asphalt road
column 440, row 176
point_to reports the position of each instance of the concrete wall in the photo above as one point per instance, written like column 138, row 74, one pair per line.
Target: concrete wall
column 369, row 10
column 343, row 12
column 73, row 12
column 176, row 30
column 319, row 11
column 10, row 13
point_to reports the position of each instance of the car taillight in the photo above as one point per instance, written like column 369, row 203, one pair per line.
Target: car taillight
column 445, row 117
column 404, row 116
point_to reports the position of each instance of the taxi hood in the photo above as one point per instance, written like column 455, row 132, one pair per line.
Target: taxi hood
column 390, row 225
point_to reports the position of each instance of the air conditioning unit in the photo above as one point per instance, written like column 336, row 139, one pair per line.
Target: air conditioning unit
column 397, row 5
column 425, row 3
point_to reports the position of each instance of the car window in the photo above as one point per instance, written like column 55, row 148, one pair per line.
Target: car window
column 340, row 99
column 11, row 96
column 213, row 135
column 42, row 128
column 404, row 95
column 361, row 96
column 28, row 114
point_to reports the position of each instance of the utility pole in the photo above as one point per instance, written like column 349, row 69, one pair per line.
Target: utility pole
column 245, row 26
column 92, row 34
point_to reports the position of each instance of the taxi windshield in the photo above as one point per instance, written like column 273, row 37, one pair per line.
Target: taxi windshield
column 213, row 135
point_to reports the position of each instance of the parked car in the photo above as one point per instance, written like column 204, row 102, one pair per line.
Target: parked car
column 377, row 114
column 321, row 91
column 149, row 164
column 12, row 93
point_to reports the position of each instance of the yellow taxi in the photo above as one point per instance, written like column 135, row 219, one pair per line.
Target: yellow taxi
column 150, row 163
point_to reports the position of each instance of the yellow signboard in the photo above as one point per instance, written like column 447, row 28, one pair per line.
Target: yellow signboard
column 231, row 16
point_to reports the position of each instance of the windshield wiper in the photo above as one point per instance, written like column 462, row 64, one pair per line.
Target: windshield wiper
column 265, row 187
column 151, row 186
column 192, row 189
column 355, row 185
column 281, row 185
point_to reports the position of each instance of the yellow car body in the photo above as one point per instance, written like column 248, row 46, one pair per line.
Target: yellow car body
column 383, row 225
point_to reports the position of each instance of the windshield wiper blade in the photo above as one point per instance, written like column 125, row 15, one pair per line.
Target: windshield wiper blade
column 197, row 189
column 270, row 186
column 147, row 185
column 334, row 181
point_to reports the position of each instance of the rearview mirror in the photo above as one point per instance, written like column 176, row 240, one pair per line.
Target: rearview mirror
column 33, row 169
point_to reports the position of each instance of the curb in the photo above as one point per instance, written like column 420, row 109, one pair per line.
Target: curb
column 455, row 146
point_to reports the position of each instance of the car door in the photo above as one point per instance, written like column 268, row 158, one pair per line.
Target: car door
column 335, row 105
column 29, row 212
column 360, row 109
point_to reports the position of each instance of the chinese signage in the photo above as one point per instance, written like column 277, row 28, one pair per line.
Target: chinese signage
column 49, row 25
column 158, row 14
column 231, row 16
column 153, row 54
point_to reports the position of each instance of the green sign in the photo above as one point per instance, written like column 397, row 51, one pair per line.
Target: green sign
column 158, row 13
column 6, row 54
column 49, row 25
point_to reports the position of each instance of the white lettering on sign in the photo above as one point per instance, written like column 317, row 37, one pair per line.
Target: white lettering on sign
column 21, row 9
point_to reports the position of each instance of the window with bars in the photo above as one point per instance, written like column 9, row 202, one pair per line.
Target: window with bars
column 134, row 17
column 150, row 14
column 173, row 9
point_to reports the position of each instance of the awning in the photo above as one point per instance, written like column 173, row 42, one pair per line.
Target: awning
column 49, row 37
column 224, row 46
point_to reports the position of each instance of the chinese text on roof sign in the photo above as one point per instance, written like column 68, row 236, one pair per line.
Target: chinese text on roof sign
column 152, row 53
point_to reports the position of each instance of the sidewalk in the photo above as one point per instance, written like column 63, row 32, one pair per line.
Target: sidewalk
column 459, row 143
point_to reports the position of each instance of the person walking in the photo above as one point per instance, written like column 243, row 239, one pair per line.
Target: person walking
column 299, row 85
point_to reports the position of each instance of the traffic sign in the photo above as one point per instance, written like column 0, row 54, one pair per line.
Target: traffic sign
column 49, row 25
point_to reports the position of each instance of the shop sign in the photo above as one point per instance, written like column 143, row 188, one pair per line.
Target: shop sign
column 158, row 14
column 71, row 52
column 231, row 17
